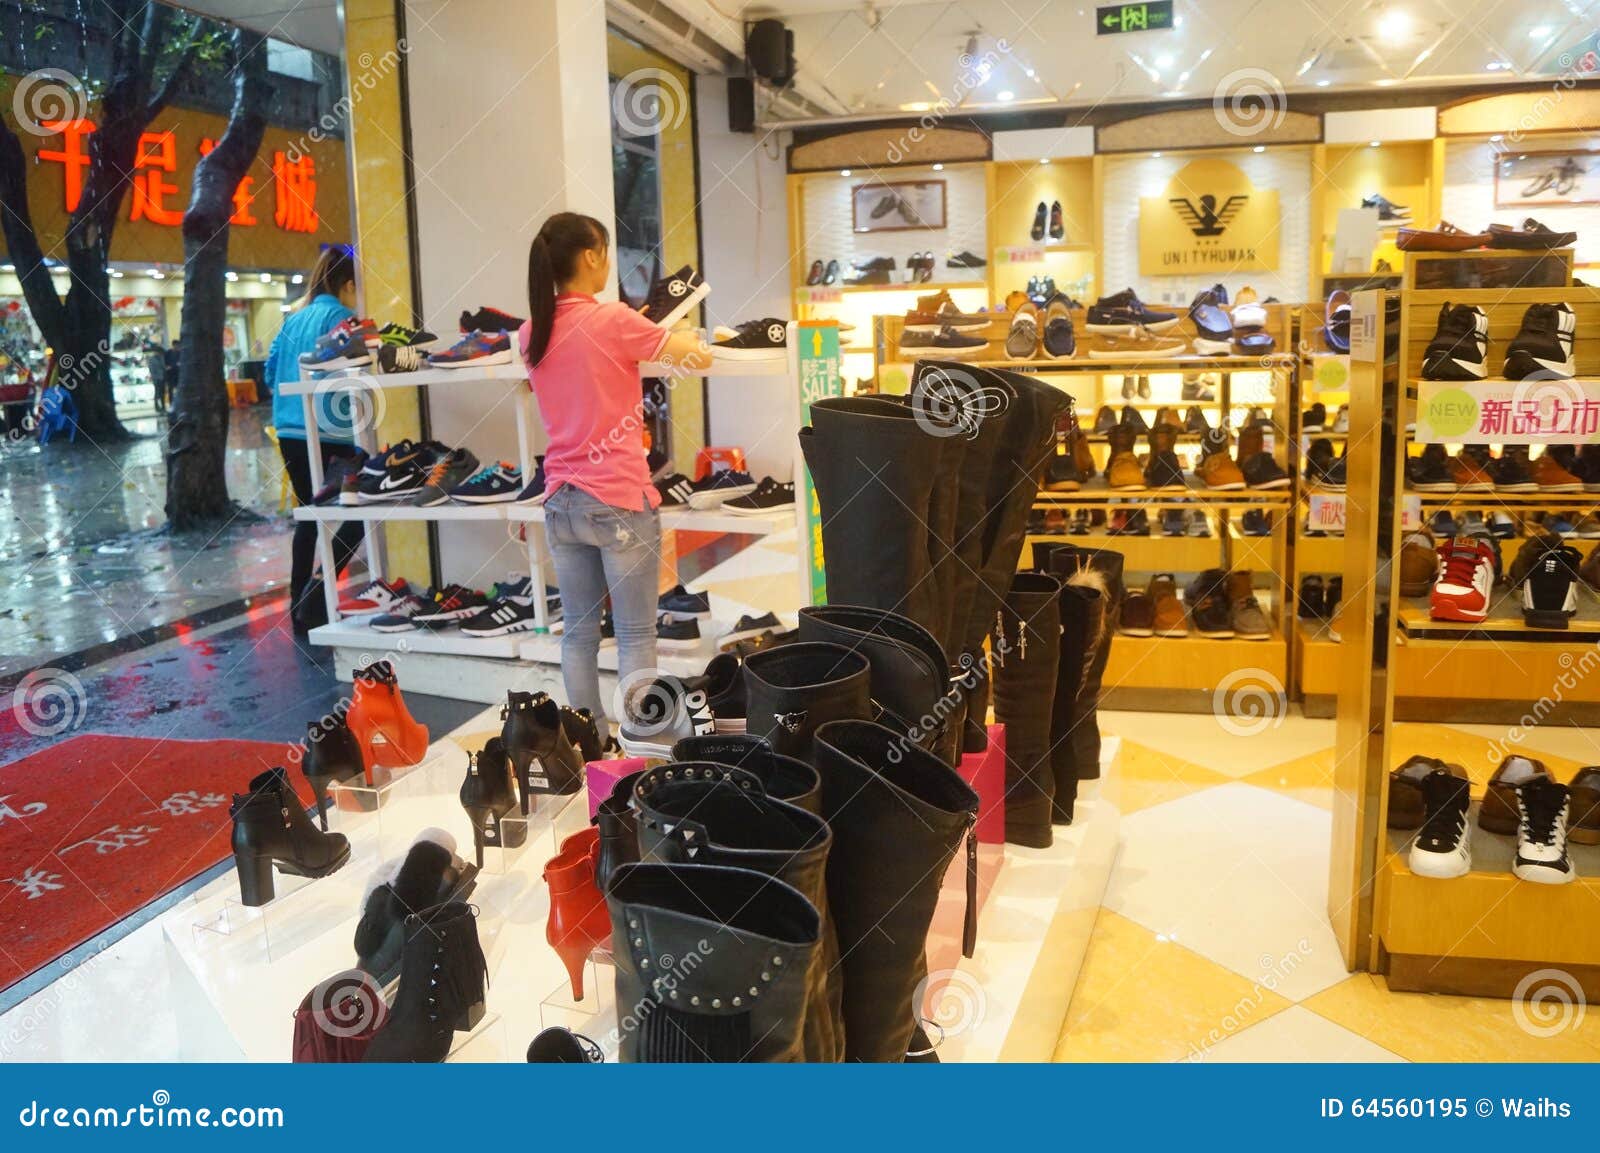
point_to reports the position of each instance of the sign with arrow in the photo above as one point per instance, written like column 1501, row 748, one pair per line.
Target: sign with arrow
column 1153, row 16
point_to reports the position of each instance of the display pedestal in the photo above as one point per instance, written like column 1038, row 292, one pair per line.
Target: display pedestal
column 1037, row 909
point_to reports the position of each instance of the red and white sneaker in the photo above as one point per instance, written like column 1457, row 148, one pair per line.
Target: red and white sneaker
column 378, row 597
column 1466, row 578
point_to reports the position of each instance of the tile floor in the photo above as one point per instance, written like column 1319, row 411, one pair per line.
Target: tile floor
column 1213, row 942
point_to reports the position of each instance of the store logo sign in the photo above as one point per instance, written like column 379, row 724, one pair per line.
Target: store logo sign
column 1210, row 218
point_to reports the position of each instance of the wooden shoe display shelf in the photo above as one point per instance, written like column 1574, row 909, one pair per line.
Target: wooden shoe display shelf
column 1467, row 694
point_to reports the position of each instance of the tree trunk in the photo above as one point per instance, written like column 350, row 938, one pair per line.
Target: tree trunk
column 197, row 439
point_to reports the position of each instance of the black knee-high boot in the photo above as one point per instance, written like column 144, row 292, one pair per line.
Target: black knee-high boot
column 1026, row 658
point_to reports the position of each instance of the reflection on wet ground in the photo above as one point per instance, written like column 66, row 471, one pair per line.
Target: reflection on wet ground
column 86, row 553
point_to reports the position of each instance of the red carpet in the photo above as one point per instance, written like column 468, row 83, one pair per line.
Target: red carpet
column 96, row 827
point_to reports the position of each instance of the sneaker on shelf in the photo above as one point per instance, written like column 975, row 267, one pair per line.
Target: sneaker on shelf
column 1196, row 390
column 533, row 492
column 1465, row 580
column 1444, row 524
column 399, row 336
column 1248, row 311
column 940, row 310
column 1543, row 808
column 393, row 358
column 1135, row 343
column 493, row 484
column 748, row 627
column 502, row 617
column 1469, row 469
column 1547, row 472
column 1315, row 418
column 1542, row 348
column 1207, row 602
column 1443, row 846
column 1261, row 471
column 401, row 618
column 1459, row 349
column 347, row 349
column 725, row 692
column 1022, row 340
column 947, row 342
column 673, row 632
column 1550, row 589
column 1212, row 326
column 340, row 471
column 765, row 339
column 1388, row 211
column 404, row 471
column 658, row 462
column 1512, row 472
column 1588, row 527
column 657, row 715
column 1430, row 472
column 1194, row 422
column 1249, row 621
column 965, row 259
column 769, row 496
column 682, row 603
column 475, row 350
column 1174, row 522
column 1256, row 522
column 720, row 486
column 675, row 490
column 671, row 297
column 380, row 596
column 1341, row 423
column 1501, row 526
column 1123, row 312
column 1336, row 321
column 448, row 471
column 490, row 320
column 453, row 604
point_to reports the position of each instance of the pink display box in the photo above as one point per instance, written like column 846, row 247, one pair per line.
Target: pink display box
column 601, row 777
column 986, row 773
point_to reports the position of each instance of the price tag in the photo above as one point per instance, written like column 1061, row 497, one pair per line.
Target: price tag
column 1410, row 512
column 1326, row 513
column 1016, row 255
column 823, row 295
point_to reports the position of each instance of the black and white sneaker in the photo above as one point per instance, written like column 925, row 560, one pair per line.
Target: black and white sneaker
column 402, row 358
column 492, row 484
column 671, row 297
column 675, row 490
column 1542, row 832
column 1443, row 847
column 533, row 492
column 658, row 715
column 749, row 627
column 1542, row 349
column 769, row 496
column 1550, row 590
column 682, row 603
column 402, row 473
column 401, row 618
column 947, row 342
column 721, row 486
column 674, row 632
column 1460, row 346
column 504, row 617
column 764, row 339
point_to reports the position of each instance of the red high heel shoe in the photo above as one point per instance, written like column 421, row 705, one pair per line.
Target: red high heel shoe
column 378, row 717
column 579, row 919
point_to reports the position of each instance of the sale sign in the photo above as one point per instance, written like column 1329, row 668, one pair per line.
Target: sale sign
column 1508, row 412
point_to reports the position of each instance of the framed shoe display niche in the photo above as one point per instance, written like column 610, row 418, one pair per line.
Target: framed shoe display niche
column 894, row 207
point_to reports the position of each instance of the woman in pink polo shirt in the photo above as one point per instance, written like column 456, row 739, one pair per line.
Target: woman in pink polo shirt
column 600, row 510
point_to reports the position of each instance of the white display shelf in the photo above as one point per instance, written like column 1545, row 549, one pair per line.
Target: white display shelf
column 677, row 662
column 694, row 519
column 397, row 512
column 773, row 366
column 423, row 378
column 354, row 633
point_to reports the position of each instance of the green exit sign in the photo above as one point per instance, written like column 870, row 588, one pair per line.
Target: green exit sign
column 1148, row 17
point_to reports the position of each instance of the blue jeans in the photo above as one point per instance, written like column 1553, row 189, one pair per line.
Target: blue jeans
column 598, row 548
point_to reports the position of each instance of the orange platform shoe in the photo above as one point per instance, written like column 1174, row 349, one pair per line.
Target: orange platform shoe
column 389, row 736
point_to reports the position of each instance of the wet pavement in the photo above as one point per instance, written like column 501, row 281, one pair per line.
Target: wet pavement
column 88, row 559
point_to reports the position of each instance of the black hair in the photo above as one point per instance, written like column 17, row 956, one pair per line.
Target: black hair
column 553, row 258
column 335, row 268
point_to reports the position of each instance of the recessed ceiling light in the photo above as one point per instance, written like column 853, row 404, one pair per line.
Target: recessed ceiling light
column 1032, row 74
column 157, row 274
column 8, row 267
column 844, row 172
column 297, row 278
column 1375, row 144
column 1323, row 83
column 1394, row 23
column 1259, row 148
column 1538, row 32
column 1005, row 94
column 938, row 167
column 266, row 278
column 116, row 274
column 1164, row 60
column 231, row 276
column 1155, row 156
column 1496, row 138
column 1044, row 160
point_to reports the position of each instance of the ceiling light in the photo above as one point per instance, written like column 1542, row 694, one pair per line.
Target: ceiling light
column 844, row 172
column 1375, row 144
column 1394, row 23
column 116, row 275
column 916, row 106
column 938, row 167
column 1044, row 160
column 1538, row 32
column 297, row 278
column 1005, row 94
column 1496, row 66
column 232, row 276
column 1164, row 60
column 1259, row 148
column 1323, row 83
column 1496, row 138
column 8, row 267
column 157, row 274
column 1177, row 21
column 1155, row 156
column 266, row 278
column 1031, row 74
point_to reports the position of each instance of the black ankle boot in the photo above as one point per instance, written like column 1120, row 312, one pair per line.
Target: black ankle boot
column 1100, row 568
column 488, row 796
column 581, row 730
column 1027, row 655
column 783, row 778
column 430, row 875
column 908, row 674
column 270, row 825
column 710, row 814
column 751, row 939
column 542, row 756
column 794, row 688
column 898, row 814
column 332, row 754
column 619, row 831
column 442, row 979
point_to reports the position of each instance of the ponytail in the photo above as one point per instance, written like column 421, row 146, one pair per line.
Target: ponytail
column 552, row 260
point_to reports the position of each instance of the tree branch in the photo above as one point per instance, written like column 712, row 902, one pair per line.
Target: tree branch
column 180, row 70
column 22, row 241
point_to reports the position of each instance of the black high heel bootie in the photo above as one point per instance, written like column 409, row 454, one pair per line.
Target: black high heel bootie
column 270, row 826
column 536, row 741
column 443, row 976
column 488, row 796
column 332, row 754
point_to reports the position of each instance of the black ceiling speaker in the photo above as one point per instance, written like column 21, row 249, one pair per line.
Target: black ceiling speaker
column 769, row 49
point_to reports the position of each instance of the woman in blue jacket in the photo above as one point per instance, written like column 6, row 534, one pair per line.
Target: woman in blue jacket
column 329, row 298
